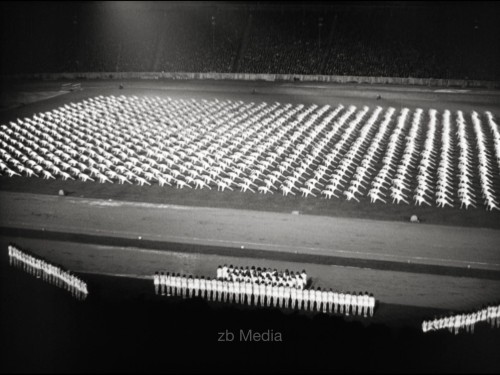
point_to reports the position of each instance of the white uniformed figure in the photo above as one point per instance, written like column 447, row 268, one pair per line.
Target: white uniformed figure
column 219, row 273
column 11, row 256
column 196, row 287
column 312, row 299
column 318, row 297
column 225, row 290
column 324, row 300
column 341, row 302
column 14, row 256
column 269, row 294
column 354, row 303
column 303, row 275
column 214, row 283
column 215, row 289
column 237, row 290
column 169, row 284
column 358, row 303
column 322, row 297
column 483, row 315
column 225, row 274
column 306, row 297
column 451, row 323
column 253, row 275
column 361, row 306
column 184, row 283
column 457, row 323
column 256, row 293
column 262, row 290
column 489, row 315
column 230, row 288
column 162, row 283
column 372, row 304
column 366, row 298
column 281, row 295
column 330, row 299
column 286, row 295
column 203, row 287
column 208, row 289
column 220, row 290
column 275, row 295
column 347, row 300
column 175, row 284
column 335, row 302
column 190, row 286
column 38, row 265
column 243, row 291
column 293, row 297
column 300, row 298
column 156, row 280
column 249, row 292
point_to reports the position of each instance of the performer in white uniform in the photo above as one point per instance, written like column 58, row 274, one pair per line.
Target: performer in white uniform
column 156, row 280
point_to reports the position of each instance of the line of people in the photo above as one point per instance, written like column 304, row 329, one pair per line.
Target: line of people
column 266, row 276
column 260, row 294
column 48, row 272
column 455, row 323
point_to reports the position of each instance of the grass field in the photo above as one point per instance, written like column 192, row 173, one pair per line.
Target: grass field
column 414, row 271
column 306, row 94
column 313, row 208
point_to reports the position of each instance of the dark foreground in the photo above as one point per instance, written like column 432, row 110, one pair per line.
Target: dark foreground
column 123, row 327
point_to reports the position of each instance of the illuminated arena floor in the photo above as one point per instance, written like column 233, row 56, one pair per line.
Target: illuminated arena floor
column 30, row 218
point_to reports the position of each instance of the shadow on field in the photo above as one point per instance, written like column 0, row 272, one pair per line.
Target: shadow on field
column 43, row 329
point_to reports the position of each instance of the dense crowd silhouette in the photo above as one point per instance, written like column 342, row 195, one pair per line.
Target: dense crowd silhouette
column 423, row 42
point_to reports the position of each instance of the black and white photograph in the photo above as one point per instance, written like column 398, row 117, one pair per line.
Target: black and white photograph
column 250, row 186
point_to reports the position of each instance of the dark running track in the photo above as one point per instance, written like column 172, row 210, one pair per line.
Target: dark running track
column 301, row 258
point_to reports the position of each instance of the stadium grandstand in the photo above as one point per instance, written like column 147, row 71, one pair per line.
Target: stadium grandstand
column 250, row 186
column 458, row 41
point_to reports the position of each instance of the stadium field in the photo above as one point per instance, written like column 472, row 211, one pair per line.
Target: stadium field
column 450, row 247
column 321, row 94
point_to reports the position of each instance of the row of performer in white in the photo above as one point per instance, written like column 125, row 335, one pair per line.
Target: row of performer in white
column 265, row 148
column 48, row 272
column 256, row 294
column 455, row 323
column 262, row 275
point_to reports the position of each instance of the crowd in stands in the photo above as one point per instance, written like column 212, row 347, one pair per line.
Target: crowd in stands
column 458, row 322
column 50, row 273
column 419, row 43
column 255, row 293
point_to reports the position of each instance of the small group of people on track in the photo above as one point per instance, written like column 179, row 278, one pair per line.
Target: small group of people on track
column 48, row 272
column 264, row 295
column 464, row 321
column 262, row 275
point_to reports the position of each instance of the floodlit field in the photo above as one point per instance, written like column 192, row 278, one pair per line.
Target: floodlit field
column 200, row 139
column 361, row 154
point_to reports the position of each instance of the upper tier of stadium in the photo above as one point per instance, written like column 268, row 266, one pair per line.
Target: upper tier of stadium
column 452, row 41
